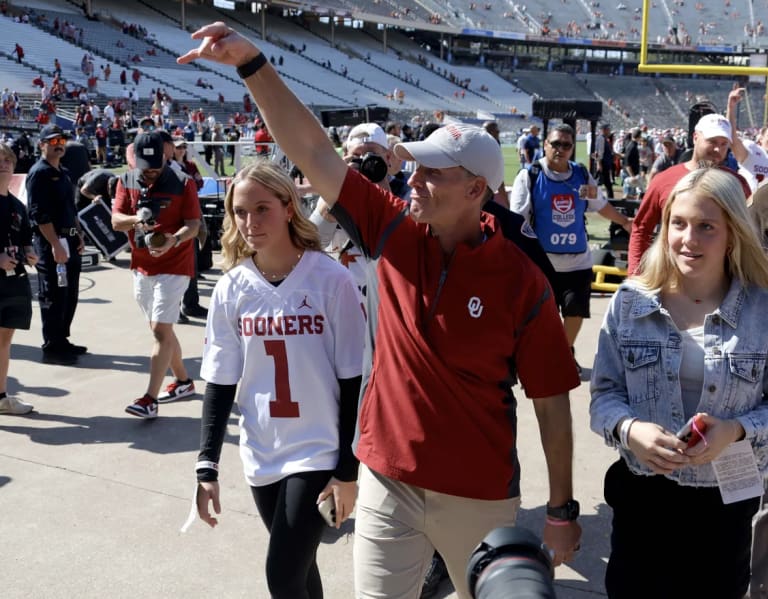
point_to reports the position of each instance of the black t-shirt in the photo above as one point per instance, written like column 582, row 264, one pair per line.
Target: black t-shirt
column 15, row 230
column 632, row 157
column 50, row 197
column 96, row 182
column 115, row 137
column 607, row 158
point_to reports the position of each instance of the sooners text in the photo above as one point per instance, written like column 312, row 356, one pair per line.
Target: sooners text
column 290, row 324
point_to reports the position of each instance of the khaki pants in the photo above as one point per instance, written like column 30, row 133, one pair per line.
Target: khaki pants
column 398, row 527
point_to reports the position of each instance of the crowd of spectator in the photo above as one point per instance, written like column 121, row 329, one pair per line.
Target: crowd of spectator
column 134, row 30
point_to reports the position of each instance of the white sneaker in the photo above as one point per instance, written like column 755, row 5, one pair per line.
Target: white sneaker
column 176, row 390
column 11, row 405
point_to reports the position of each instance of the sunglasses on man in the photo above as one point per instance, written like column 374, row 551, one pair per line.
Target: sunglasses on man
column 56, row 141
column 560, row 145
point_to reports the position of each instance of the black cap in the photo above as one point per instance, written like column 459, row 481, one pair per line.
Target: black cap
column 146, row 119
column 149, row 151
column 165, row 136
column 51, row 132
column 669, row 140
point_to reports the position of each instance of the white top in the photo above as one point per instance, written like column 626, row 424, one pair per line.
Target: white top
column 520, row 202
column 286, row 346
column 336, row 243
column 756, row 162
column 692, row 369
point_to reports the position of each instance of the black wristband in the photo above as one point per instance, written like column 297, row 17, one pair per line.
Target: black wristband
column 250, row 67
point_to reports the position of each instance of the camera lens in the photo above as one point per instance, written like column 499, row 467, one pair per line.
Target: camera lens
column 371, row 166
column 510, row 563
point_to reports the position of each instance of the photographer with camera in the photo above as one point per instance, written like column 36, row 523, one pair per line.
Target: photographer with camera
column 159, row 208
column 366, row 150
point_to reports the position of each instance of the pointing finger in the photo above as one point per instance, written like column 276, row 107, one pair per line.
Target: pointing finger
column 216, row 29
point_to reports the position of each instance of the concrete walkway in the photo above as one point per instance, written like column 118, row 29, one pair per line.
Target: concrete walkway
column 92, row 499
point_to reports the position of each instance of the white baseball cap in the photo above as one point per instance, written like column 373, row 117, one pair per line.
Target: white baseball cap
column 714, row 125
column 368, row 133
column 458, row 145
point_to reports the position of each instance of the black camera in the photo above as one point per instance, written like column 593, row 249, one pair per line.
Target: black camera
column 14, row 253
column 146, row 210
column 511, row 563
column 372, row 166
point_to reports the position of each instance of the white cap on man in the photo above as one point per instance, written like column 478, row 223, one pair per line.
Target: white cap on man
column 714, row 125
column 458, row 145
column 368, row 133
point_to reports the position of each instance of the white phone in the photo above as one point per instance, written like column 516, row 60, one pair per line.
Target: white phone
column 327, row 509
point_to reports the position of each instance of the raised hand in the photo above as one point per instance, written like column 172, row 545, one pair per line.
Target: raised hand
column 220, row 43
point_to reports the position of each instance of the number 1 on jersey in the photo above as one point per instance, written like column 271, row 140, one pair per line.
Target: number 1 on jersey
column 281, row 406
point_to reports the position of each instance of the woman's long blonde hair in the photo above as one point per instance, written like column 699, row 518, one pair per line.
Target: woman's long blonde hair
column 303, row 233
column 746, row 259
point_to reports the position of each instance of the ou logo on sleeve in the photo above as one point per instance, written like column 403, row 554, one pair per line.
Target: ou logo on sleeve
column 475, row 307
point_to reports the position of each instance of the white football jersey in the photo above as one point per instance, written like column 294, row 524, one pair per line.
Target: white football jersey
column 286, row 346
column 757, row 161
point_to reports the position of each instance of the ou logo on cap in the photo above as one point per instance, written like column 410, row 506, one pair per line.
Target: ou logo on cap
column 475, row 307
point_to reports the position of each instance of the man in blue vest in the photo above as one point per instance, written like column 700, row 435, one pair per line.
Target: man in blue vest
column 553, row 195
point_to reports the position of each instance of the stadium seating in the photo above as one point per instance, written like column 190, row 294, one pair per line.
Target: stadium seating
column 344, row 67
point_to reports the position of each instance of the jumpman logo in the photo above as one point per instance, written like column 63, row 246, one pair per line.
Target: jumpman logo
column 304, row 304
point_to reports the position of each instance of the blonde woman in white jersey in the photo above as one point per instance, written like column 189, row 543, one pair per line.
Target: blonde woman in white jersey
column 284, row 338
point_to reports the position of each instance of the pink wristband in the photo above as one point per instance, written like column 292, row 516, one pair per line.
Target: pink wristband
column 553, row 522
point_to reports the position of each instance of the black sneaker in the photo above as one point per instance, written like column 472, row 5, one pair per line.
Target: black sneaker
column 78, row 350
column 62, row 358
column 182, row 319
column 195, row 311
column 436, row 574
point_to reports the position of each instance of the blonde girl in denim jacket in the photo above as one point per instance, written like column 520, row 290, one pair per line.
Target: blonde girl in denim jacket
column 688, row 335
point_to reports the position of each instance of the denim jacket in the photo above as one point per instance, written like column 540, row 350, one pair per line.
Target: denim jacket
column 636, row 371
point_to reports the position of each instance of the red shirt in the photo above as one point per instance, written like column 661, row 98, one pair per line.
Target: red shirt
column 649, row 213
column 177, row 194
column 262, row 135
column 438, row 411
